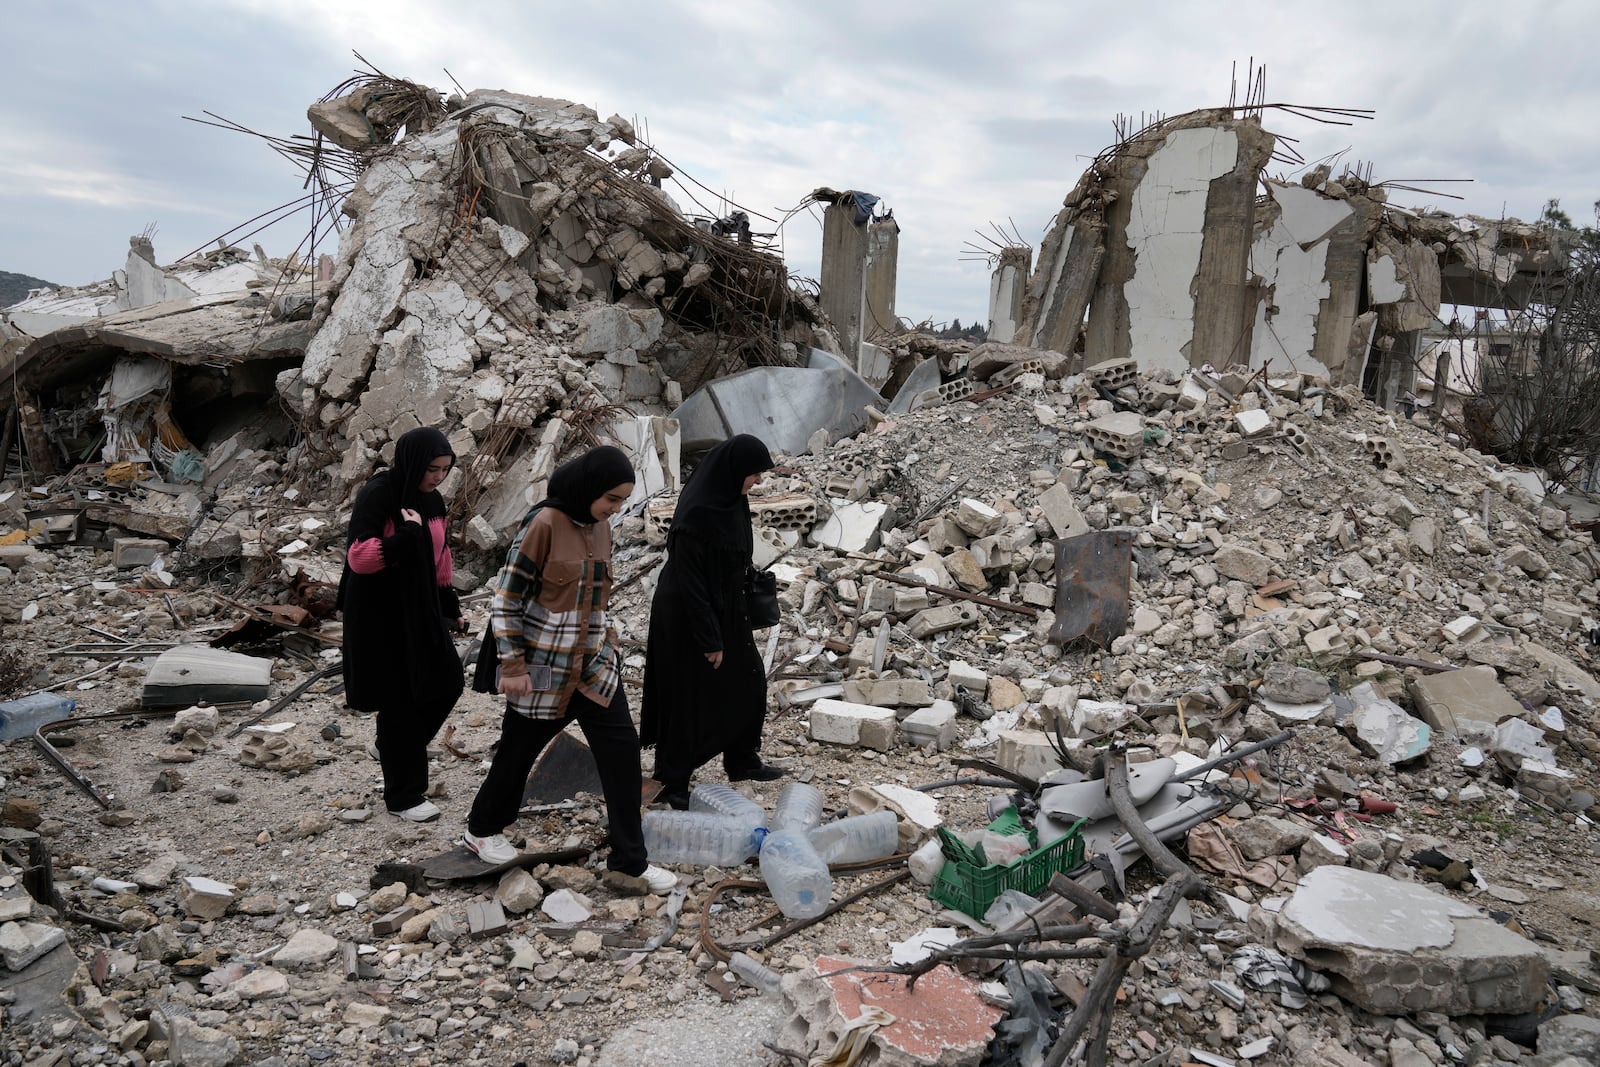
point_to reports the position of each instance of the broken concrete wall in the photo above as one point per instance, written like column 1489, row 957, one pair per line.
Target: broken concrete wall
column 1309, row 259
column 883, row 267
column 1008, row 286
column 1171, row 291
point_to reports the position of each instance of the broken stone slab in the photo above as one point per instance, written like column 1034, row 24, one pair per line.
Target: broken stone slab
column 1526, row 560
column 1267, row 835
column 942, row 617
column 1468, row 702
column 853, row 526
column 1384, row 729
column 934, row 725
column 1577, row 1036
column 305, row 949
column 1028, row 753
column 1252, row 422
column 943, row 1021
column 1397, row 948
column 1288, row 684
column 978, row 519
column 205, row 898
column 1061, row 512
column 840, row 722
column 21, row 943
column 1243, row 564
column 963, row 675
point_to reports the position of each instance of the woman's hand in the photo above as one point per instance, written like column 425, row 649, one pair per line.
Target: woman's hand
column 516, row 685
column 714, row 658
column 410, row 515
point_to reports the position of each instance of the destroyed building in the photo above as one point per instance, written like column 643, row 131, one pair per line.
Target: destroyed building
column 1176, row 248
column 1338, row 665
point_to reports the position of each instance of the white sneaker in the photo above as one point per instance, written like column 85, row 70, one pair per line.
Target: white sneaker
column 492, row 849
column 658, row 880
column 427, row 811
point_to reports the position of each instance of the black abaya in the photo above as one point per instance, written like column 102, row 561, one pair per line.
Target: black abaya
column 691, row 710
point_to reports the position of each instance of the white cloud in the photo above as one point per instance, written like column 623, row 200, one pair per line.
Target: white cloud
column 958, row 114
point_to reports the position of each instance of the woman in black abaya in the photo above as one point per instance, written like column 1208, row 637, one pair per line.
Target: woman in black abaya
column 399, row 610
column 705, row 692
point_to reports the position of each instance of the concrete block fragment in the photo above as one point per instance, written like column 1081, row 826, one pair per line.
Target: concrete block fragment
column 1397, row 948
column 1242, row 564
column 1061, row 512
column 130, row 552
column 1028, row 753
column 1464, row 703
column 205, row 898
column 1119, row 434
column 933, row 725
column 1252, row 422
column 937, row 620
column 1526, row 560
column 1383, row 729
column 978, row 519
column 841, row 722
column 965, row 569
column 1328, row 641
column 964, row 675
column 21, row 943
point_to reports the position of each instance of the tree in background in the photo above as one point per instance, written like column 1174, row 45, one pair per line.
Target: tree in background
column 1536, row 384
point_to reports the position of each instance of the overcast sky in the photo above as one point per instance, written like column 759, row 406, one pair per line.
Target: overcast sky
column 958, row 114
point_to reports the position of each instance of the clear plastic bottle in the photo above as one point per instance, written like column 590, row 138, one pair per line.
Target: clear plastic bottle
column 857, row 838
column 756, row 973
column 701, row 837
column 726, row 800
column 21, row 717
column 796, row 876
column 799, row 807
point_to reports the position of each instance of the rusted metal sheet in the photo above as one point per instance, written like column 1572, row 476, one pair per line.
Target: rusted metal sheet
column 1092, row 577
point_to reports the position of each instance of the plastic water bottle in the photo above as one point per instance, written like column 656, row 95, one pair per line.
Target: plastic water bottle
column 726, row 800
column 796, row 876
column 21, row 717
column 756, row 973
column 857, row 838
column 701, row 837
column 799, row 807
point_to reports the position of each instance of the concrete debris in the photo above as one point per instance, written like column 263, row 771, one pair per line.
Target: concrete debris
column 1258, row 547
column 1395, row 948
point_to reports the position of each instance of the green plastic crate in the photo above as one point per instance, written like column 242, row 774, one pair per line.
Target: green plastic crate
column 968, row 884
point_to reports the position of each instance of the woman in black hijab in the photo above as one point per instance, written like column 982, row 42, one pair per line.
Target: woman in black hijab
column 559, row 662
column 399, row 610
column 705, row 691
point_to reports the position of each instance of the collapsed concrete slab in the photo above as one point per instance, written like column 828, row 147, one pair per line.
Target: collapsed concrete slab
column 1396, row 948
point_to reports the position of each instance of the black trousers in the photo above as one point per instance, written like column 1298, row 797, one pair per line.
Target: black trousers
column 402, row 737
column 615, row 744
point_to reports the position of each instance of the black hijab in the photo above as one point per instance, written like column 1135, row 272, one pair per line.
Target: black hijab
column 400, row 484
column 712, row 506
column 578, row 483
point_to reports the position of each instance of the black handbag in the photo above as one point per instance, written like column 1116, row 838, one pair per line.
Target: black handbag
column 486, row 672
column 761, row 599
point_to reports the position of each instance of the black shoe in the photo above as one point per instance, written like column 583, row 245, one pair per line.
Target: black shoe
column 761, row 772
column 678, row 799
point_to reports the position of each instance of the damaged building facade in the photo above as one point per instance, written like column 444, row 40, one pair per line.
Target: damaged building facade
column 1176, row 249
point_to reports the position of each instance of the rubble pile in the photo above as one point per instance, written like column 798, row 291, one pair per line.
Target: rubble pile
column 1410, row 612
column 502, row 268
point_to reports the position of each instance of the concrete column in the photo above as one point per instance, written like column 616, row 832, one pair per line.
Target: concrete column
column 1007, row 288
column 844, row 276
column 883, row 256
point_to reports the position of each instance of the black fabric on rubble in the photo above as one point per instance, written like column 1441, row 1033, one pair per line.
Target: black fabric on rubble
column 397, row 645
column 692, row 711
